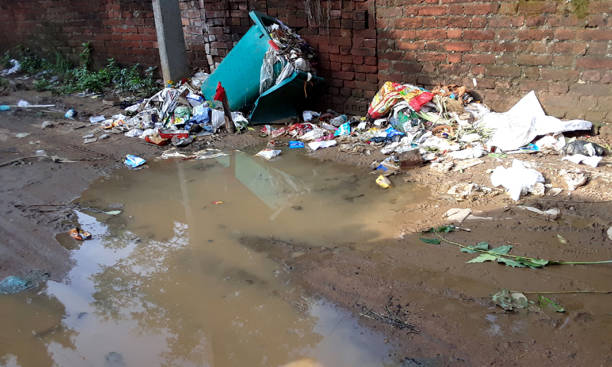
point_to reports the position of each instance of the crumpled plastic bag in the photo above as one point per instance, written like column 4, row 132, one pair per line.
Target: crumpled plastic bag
column 517, row 180
column 391, row 93
column 524, row 122
column 14, row 284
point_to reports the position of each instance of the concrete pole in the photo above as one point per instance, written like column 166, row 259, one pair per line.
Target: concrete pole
column 170, row 39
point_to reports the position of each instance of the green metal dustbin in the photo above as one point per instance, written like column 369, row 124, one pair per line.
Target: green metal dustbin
column 239, row 71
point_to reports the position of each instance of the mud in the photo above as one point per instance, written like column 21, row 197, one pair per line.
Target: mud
column 444, row 300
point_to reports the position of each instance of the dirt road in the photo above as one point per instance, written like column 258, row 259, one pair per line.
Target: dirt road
column 432, row 304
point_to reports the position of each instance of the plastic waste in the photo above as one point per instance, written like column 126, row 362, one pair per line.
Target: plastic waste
column 13, row 284
column 579, row 158
column 293, row 144
column 469, row 153
column 339, row 120
column 240, row 122
column 268, row 153
column 194, row 99
column 392, row 93
column 519, row 179
column 343, row 130
column 23, row 103
column 70, row 114
column 5, row 107
column 321, row 144
column 96, row 119
column 15, row 67
column 307, row 116
column 524, row 122
column 551, row 143
column 217, row 119
column 552, row 214
column 314, row 134
column 79, row 234
column 383, row 182
column 584, row 148
column 133, row 161
column 181, row 142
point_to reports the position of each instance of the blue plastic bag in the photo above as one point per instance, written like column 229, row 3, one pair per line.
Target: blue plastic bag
column 133, row 161
column 344, row 129
column 13, row 284
column 294, row 144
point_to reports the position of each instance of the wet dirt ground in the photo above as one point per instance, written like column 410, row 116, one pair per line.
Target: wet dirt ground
column 325, row 233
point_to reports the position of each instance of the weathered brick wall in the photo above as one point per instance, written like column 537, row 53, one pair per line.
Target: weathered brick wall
column 560, row 48
column 123, row 29
column 557, row 48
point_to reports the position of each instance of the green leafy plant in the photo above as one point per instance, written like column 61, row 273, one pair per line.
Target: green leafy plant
column 70, row 78
column 5, row 61
column 502, row 255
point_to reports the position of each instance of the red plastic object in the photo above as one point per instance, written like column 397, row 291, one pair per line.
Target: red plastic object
column 417, row 102
column 220, row 94
column 181, row 134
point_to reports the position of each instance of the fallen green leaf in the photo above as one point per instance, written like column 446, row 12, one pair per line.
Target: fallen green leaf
column 430, row 241
column 502, row 255
column 483, row 258
column 480, row 246
column 442, row 229
column 510, row 262
column 545, row 301
column 501, row 250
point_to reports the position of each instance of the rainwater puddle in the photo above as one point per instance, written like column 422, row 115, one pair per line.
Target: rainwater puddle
column 168, row 282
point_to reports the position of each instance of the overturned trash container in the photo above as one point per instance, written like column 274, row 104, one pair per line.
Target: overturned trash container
column 268, row 69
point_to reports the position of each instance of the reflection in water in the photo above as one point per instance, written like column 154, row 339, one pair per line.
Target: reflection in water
column 168, row 283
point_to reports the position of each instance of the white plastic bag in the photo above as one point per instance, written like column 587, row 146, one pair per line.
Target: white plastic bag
column 518, row 179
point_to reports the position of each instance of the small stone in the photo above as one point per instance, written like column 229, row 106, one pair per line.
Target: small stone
column 88, row 136
column 90, row 140
column 457, row 215
column 538, row 189
column 104, row 136
column 610, row 233
column 442, row 167
column 46, row 124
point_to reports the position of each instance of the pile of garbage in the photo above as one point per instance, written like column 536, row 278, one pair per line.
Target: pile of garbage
column 287, row 50
column 449, row 127
column 175, row 115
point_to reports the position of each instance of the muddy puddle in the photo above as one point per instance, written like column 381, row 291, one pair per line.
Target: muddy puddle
column 169, row 282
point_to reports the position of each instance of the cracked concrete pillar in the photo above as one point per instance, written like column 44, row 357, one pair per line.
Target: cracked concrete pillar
column 170, row 39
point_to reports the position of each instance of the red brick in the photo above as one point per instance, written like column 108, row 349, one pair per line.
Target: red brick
column 534, row 59
column 458, row 46
column 430, row 34
column 479, row 59
column 591, row 76
column 534, row 34
column 433, row 10
column 594, row 62
column 454, row 33
column 478, row 35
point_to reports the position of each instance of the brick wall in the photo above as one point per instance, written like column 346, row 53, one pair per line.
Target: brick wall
column 561, row 51
column 123, row 29
column 560, row 48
